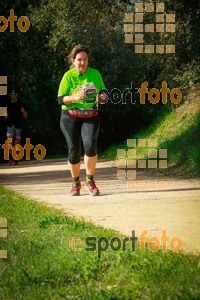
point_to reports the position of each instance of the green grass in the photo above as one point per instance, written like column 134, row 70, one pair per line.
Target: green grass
column 56, row 156
column 41, row 264
column 178, row 132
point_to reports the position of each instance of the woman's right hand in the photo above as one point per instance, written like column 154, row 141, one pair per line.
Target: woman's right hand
column 74, row 97
column 79, row 96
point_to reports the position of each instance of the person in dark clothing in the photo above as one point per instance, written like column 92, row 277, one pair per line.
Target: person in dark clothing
column 15, row 112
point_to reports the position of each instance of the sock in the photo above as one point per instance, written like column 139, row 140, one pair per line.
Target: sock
column 89, row 177
column 75, row 179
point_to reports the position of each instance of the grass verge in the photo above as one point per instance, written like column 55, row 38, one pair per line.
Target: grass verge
column 178, row 132
column 44, row 262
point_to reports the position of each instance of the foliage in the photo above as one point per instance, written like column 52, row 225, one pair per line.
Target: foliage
column 36, row 60
column 176, row 130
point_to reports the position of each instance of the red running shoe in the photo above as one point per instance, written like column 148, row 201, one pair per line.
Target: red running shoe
column 92, row 188
column 76, row 186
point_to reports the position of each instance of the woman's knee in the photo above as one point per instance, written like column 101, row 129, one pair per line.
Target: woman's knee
column 74, row 156
column 90, row 149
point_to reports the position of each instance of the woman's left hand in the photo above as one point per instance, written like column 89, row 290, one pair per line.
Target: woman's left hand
column 102, row 98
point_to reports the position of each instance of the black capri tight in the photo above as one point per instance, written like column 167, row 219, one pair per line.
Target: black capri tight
column 74, row 129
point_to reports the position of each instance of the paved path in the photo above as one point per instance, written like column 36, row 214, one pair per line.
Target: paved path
column 170, row 204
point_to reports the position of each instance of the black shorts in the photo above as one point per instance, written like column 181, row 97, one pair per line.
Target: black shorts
column 75, row 129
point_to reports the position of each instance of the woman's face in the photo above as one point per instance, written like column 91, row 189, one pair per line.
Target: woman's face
column 81, row 62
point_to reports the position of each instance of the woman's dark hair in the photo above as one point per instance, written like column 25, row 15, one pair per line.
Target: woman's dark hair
column 78, row 48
